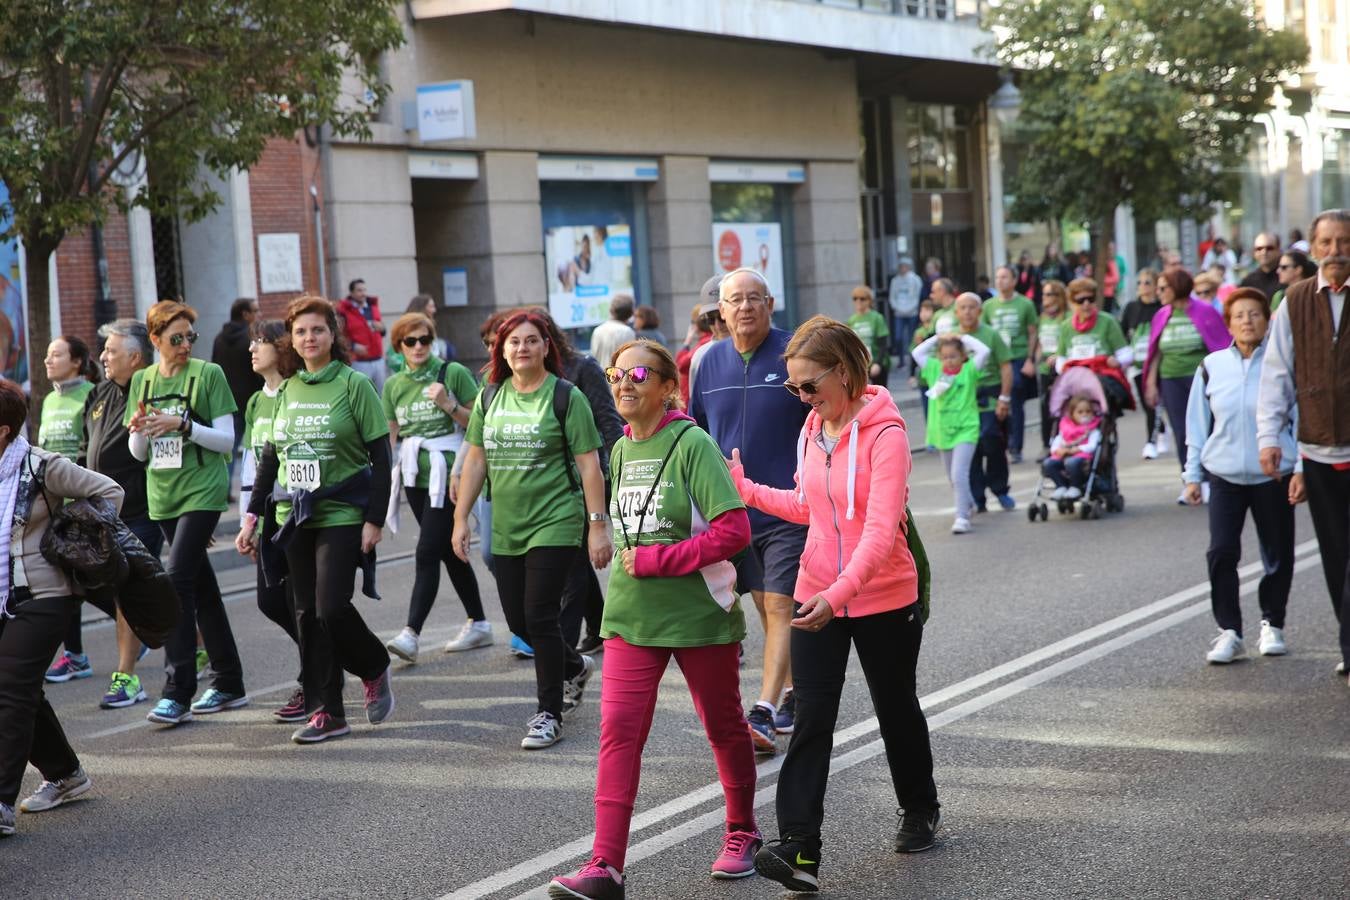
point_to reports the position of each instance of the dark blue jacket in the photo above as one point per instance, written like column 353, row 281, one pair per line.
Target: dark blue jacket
column 744, row 405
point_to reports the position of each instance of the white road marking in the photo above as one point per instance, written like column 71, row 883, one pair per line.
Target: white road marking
column 557, row 858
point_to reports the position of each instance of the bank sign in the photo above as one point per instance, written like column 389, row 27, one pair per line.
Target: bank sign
column 445, row 111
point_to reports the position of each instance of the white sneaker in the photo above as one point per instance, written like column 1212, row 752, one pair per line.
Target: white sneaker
column 1226, row 647
column 961, row 526
column 1150, row 450
column 473, row 635
column 1058, row 494
column 575, row 687
column 1161, row 443
column 1072, row 493
column 404, row 645
column 544, row 731
column 1272, row 640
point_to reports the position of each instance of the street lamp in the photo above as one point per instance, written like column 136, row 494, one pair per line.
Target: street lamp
column 1006, row 102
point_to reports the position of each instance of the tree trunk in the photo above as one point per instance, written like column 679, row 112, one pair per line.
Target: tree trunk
column 38, row 251
column 1101, row 231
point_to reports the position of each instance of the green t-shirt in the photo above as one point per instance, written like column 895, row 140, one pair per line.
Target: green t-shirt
column 1181, row 347
column 201, row 480
column 944, row 321
column 1276, row 300
column 1011, row 319
column 405, row 403
column 62, row 427
column 871, row 328
column 320, row 429
column 258, row 412
column 695, row 488
column 991, row 376
column 1102, row 339
column 954, row 415
column 533, row 504
column 1047, row 335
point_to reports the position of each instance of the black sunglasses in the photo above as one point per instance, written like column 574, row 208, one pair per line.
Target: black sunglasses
column 637, row 374
column 413, row 340
column 1086, row 298
column 808, row 388
column 189, row 336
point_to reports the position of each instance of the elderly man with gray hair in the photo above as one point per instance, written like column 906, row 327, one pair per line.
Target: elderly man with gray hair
column 126, row 348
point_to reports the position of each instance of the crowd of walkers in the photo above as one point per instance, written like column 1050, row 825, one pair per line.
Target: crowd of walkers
column 692, row 476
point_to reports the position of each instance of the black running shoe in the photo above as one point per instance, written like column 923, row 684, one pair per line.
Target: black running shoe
column 792, row 863
column 916, row 831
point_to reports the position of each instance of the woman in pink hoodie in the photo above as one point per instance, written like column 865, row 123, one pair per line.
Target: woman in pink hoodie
column 857, row 586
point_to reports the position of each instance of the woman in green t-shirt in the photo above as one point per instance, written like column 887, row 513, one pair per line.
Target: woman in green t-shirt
column 180, row 415
column 679, row 520
column 324, row 477
column 271, row 357
column 427, row 405
column 72, row 373
column 520, row 427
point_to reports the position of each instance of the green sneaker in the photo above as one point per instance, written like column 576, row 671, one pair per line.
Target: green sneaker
column 124, row 690
column 203, row 660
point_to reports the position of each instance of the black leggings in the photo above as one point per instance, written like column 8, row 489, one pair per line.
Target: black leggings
column 333, row 636
column 531, row 592
column 200, row 607
column 433, row 550
column 277, row 604
column 1151, row 420
column 1047, row 384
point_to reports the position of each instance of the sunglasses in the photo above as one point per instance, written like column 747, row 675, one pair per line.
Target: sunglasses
column 809, row 388
column 413, row 340
column 1086, row 298
column 189, row 336
column 637, row 374
column 1283, row 266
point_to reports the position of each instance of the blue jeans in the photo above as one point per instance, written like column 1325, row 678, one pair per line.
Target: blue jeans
column 1070, row 472
column 1017, row 418
column 902, row 335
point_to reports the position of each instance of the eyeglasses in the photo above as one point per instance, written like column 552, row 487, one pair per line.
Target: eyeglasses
column 809, row 388
column 189, row 336
column 413, row 340
column 748, row 300
column 1286, row 266
column 256, row 343
column 1086, row 298
column 637, row 374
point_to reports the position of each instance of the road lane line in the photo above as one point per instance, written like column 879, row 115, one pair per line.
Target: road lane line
column 553, row 859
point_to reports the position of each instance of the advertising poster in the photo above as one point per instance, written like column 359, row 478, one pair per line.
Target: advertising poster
column 758, row 245
column 587, row 265
column 13, row 324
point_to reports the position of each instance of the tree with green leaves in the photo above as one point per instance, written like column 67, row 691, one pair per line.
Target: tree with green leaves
column 1141, row 102
column 91, row 88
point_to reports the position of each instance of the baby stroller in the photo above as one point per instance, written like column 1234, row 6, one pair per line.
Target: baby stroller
column 1101, row 493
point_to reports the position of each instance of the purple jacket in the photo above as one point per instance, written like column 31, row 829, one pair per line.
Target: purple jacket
column 1208, row 322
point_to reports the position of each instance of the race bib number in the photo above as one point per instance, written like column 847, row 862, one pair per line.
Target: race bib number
column 167, row 452
column 1083, row 350
column 302, row 469
column 628, row 502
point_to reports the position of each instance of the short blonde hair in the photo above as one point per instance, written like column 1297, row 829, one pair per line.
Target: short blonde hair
column 831, row 343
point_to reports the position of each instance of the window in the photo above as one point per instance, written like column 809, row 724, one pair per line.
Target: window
column 1336, row 169
column 938, row 138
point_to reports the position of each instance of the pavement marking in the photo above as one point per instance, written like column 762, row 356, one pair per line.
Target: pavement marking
column 554, row 859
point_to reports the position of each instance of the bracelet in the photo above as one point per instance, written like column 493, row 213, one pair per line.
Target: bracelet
column 454, row 409
column 1004, row 398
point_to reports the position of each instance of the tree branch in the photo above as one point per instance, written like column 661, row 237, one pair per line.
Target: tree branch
column 137, row 141
column 94, row 113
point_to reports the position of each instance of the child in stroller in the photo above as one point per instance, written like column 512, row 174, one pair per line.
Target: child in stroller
column 1094, row 477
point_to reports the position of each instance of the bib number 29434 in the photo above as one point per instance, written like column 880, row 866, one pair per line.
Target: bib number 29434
column 167, row 452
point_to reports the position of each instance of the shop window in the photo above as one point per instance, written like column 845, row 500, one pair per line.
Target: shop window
column 938, row 145
column 752, row 226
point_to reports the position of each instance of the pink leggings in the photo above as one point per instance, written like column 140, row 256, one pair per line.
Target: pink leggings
column 628, row 690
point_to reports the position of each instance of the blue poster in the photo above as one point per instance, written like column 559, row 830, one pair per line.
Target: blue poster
column 13, row 330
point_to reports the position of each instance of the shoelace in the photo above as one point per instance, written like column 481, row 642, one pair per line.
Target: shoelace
column 320, row 721
column 540, row 723
column 297, row 699
column 596, row 868
column 372, row 688
column 736, row 842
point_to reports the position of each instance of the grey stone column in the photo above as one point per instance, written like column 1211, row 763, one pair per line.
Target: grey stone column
column 679, row 216
column 827, row 239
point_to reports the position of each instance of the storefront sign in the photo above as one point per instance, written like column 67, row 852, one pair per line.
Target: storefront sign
column 455, row 285
column 279, row 269
column 445, row 111
column 13, row 321
column 597, row 168
column 758, row 245
column 587, row 265
column 443, row 165
column 756, row 172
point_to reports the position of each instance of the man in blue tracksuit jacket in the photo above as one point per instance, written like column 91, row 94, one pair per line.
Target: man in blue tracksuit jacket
column 738, row 397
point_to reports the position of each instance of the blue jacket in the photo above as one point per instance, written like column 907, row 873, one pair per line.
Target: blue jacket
column 1221, row 421
column 743, row 405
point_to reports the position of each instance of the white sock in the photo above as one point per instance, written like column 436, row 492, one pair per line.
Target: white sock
column 773, row 710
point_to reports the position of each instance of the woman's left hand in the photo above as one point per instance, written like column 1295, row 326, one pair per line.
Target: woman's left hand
column 1297, row 494
column 160, row 424
column 814, row 614
column 370, row 536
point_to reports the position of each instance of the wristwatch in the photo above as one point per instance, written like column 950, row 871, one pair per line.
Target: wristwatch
column 597, row 517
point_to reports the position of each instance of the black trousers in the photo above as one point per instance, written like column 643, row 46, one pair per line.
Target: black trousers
column 531, row 592
column 888, row 648
column 989, row 466
column 1175, row 394
column 434, row 551
column 333, row 636
column 1329, row 502
column 1047, row 382
column 149, row 534
column 201, row 607
column 29, row 729
column 581, row 598
column 1274, row 517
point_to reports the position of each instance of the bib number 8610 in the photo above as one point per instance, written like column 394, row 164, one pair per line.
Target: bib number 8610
column 302, row 474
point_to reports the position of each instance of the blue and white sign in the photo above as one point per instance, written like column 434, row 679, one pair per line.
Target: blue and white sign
column 445, row 111
column 455, row 285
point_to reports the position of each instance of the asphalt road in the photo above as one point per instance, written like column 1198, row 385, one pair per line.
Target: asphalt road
column 1083, row 748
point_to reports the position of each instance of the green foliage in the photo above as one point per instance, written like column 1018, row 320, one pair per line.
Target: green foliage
column 1147, row 102
column 188, row 85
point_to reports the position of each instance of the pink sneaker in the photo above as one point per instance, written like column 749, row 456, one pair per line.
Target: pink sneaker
column 597, row 880
column 737, row 859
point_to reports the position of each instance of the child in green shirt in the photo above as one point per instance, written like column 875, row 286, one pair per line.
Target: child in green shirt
column 953, row 411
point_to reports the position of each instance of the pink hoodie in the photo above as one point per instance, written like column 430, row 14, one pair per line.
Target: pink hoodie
column 856, row 554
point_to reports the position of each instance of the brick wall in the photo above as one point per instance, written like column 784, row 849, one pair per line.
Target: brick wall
column 77, row 278
column 279, row 196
